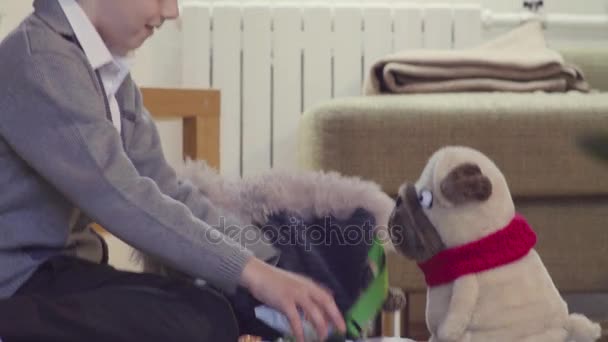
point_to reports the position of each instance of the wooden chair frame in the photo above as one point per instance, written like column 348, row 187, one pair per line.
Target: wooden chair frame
column 200, row 112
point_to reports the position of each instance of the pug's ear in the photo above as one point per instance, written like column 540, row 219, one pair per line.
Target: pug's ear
column 466, row 183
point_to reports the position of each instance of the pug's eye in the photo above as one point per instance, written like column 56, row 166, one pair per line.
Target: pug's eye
column 398, row 201
column 426, row 199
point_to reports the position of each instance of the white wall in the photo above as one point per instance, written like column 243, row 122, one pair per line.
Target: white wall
column 564, row 6
column 12, row 11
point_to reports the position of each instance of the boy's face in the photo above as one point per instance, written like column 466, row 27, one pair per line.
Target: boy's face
column 124, row 25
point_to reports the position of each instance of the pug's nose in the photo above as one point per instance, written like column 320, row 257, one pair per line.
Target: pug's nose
column 398, row 201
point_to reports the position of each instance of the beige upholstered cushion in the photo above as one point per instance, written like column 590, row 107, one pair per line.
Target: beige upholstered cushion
column 531, row 137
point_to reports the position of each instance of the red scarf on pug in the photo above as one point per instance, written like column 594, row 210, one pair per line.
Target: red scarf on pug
column 504, row 246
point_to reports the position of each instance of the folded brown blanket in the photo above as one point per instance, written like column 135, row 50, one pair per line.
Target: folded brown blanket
column 518, row 61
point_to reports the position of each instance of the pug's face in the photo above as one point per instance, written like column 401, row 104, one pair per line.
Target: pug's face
column 417, row 206
column 410, row 229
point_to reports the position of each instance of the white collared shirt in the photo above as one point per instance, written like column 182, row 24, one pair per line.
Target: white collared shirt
column 112, row 69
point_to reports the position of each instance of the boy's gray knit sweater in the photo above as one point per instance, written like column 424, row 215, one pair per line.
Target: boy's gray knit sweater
column 63, row 165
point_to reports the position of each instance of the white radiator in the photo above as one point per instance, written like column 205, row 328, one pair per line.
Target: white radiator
column 274, row 61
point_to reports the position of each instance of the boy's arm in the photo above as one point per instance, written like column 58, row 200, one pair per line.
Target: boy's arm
column 51, row 118
column 146, row 154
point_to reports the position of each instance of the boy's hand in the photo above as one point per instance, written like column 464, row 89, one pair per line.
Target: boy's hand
column 288, row 292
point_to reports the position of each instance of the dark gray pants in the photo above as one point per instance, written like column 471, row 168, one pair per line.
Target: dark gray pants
column 70, row 299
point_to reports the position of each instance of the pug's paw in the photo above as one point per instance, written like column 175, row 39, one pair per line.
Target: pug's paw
column 453, row 332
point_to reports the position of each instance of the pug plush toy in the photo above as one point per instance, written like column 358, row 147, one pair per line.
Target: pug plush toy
column 485, row 280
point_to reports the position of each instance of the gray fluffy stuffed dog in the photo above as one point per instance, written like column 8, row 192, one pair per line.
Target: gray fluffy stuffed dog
column 279, row 198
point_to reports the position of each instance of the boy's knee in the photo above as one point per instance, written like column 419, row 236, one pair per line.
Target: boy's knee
column 177, row 312
column 217, row 318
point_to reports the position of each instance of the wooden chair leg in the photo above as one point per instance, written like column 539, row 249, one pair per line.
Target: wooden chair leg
column 385, row 324
column 405, row 316
column 388, row 324
column 378, row 325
